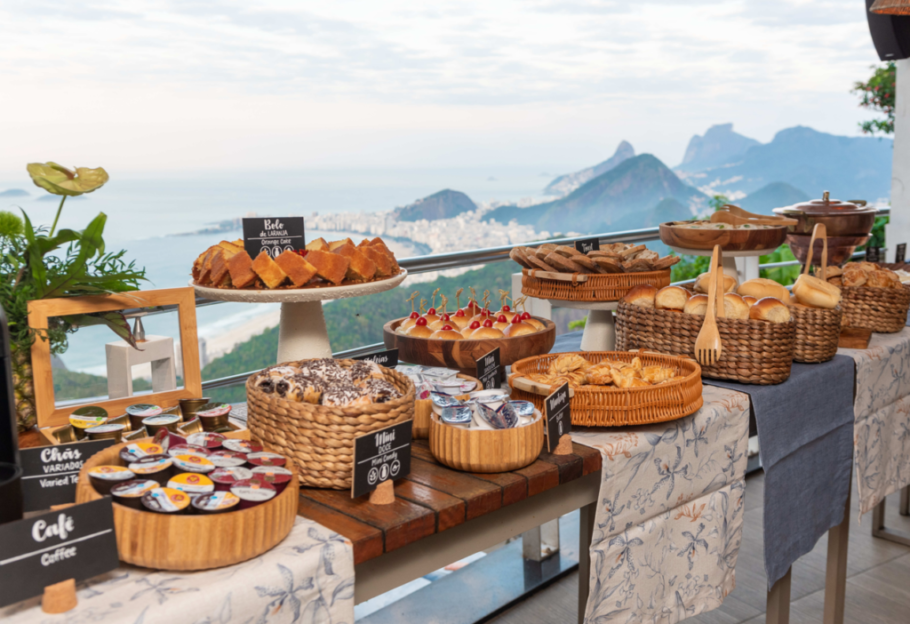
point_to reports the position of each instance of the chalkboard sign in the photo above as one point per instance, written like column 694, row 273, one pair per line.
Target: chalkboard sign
column 873, row 254
column 50, row 473
column 381, row 456
column 489, row 371
column 588, row 244
column 73, row 543
column 559, row 420
column 901, row 254
column 273, row 235
column 389, row 358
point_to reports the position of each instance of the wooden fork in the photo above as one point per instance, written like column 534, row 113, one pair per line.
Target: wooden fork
column 708, row 348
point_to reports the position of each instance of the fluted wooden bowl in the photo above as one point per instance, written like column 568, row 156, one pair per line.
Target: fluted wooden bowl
column 463, row 354
column 673, row 234
column 486, row 450
column 193, row 542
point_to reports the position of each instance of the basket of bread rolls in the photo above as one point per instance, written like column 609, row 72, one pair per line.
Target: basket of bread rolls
column 758, row 333
column 815, row 306
column 873, row 296
column 563, row 273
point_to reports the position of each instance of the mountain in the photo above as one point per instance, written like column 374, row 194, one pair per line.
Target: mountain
column 627, row 194
column 719, row 146
column 14, row 193
column 442, row 205
column 849, row 167
column 565, row 184
column 668, row 209
column 774, row 195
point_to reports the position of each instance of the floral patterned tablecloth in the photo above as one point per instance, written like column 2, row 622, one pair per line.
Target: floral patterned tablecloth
column 308, row 578
column 881, row 432
column 669, row 521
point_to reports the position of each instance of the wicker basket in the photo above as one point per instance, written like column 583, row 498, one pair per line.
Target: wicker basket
column 817, row 333
column 755, row 352
column 319, row 438
column 595, row 288
column 883, row 310
column 609, row 406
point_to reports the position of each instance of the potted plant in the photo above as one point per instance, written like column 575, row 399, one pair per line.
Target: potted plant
column 44, row 263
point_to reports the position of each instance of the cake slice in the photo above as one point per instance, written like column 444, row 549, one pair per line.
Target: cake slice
column 220, row 274
column 382, row 262
column 319, row 245
column 270, row 273
column 340, row 243
column 361, row 268
column 197, row 265
column 329, row 266
column 205, row 275
column 378, row 243
column 240, row 267
column 296, row 266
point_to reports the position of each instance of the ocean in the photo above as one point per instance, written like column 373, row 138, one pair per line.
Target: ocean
column 146, row 212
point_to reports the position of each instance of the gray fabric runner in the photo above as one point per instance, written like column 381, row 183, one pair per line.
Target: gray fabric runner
column 805, row 431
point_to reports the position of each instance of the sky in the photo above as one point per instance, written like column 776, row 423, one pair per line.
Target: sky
column 188, row 86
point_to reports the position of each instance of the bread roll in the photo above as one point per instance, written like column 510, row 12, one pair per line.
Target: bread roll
column 642, row 295
column 761, row 288
column 882, row 279
column 735, row 307
column 697, row 304
column 831, row 271
column 701, row 284
column 750, row 301
column 815, row 292
column 671, row 298
column 770, row 309
column 854, row 277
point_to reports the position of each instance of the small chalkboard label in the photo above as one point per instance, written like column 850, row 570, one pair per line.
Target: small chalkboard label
column 381, row 456
column 588, row 244
column 389, row 358
column 273, row 235
column 50, row 473
column 73, row 543
column 873, row 254
column 489, row 371
column 559, row 420
column 901, row 254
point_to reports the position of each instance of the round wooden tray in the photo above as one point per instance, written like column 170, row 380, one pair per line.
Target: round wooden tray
column 463, row 354
column 609, row 406
column 590, row 287
column 486, row 450
column 193, row 542
column 728, row 239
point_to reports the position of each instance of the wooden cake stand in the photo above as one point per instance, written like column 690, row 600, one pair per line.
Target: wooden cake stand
column 301, row 333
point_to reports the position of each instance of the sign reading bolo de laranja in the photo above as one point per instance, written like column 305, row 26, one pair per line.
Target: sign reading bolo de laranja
column 73, row 543
column 559, row 416
column 489, row 370
column 273, row 235
column 381, row 456
column 389, row 358
column 50, row 473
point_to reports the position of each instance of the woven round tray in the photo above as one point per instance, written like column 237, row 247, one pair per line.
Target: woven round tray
column 321, row 438
column 609, row 406
column 595, row 287
column 883, row 310
column 817, row 333
column 755, row 352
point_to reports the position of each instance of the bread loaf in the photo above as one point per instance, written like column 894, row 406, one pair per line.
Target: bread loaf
column 761, row 288
column 815, row 292
column 671, row 298
column 703, row 280
column 735, row 307
column 697, row 305
column 770, row 309
column 642, row 295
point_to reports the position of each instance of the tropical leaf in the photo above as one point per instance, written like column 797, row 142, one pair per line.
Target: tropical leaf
column 115, row 320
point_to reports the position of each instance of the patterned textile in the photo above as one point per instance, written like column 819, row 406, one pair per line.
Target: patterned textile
column 882, row 410
column 669, row 522
column 307, row 578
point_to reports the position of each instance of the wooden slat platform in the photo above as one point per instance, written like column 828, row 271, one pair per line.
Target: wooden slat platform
column 434, row 498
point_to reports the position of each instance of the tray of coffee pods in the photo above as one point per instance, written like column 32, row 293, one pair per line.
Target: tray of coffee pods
column 487, row 432
column 178, row 498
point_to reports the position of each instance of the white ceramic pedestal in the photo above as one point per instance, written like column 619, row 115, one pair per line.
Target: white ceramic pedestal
column 301, row 333
column 121, row 358
column 741, row 264
column 600, row 329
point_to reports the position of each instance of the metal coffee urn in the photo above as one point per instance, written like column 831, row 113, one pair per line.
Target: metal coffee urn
column 10, row 470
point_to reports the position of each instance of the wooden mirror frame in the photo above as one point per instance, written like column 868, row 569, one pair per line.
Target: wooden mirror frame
column 39, row 310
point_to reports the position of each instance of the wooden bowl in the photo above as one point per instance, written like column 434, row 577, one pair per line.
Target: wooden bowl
column 485, row 450
column 729, row 240
column 463, row 354
column 193, row 542
column 423, row 409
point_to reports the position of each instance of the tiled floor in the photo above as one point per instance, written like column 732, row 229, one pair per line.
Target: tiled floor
column 878, row 583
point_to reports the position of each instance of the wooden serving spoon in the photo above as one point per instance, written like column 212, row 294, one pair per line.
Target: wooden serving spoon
column 723, row 216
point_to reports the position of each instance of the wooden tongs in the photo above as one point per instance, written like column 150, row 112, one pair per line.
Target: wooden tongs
column 734, row 215
column 708, row 348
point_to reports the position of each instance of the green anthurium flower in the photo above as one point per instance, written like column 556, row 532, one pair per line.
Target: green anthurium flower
column 59, row 180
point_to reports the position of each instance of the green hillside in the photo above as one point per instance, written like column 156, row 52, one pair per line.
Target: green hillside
column 70, row 385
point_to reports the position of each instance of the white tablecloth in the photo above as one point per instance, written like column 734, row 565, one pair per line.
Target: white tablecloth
column 882, row 410
column 308, row 578
column 669, row 520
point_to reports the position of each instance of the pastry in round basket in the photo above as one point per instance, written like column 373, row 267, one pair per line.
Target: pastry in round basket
column 883, row 279
column 381, row 391
column 563, row 264
column 761, row 287
column 346, row 396
column 854, row 277
column 568, row 363
column 672, row 298
column 657, row 374
column 364, row 370
column 703, row 280
column 518, row 328
column 420, row 330
column 600, row 375
column 306, row 389
column 770, row 309
column 643, row 295
column 735, row 307
column 815, row 292
column 697, row 305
